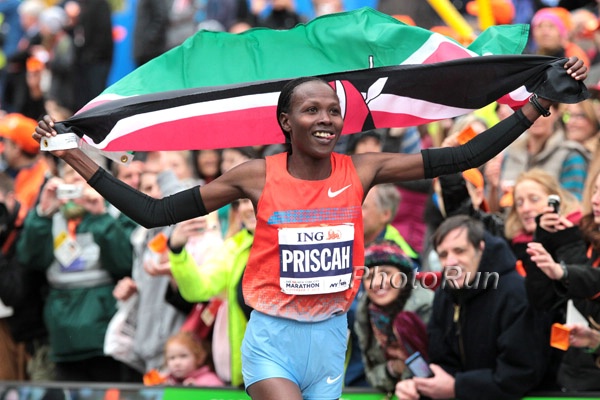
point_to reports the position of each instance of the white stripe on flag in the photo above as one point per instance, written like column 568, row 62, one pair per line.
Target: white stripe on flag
column 145, row 120
column 432, row 45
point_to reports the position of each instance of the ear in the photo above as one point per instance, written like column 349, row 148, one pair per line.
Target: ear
column 285, row 122
column 387, row 216
column 482, row 246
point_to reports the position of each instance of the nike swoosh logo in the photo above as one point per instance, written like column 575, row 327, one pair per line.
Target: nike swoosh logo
column 337, row 192
column 334, row 380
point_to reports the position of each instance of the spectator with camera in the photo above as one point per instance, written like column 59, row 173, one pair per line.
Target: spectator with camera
column 485, row 341
column 566, row 255
column 531, row 192
column 83, row 250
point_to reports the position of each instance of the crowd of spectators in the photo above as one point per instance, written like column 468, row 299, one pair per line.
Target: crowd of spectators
column 70, row 260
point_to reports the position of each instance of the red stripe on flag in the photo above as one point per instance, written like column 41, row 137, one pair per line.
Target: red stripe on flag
column 256, row 126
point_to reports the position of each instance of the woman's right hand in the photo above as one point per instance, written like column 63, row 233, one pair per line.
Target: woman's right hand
column 45, row 129
column 553, row 222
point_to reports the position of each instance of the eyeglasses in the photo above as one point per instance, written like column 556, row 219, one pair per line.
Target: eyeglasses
column 566, row 117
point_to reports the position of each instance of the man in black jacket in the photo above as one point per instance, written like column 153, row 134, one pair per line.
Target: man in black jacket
column 485, row 341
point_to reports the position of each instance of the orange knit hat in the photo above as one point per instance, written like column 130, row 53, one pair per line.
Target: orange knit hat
column 19, row 128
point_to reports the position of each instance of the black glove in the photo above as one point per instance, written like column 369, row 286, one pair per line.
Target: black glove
column 558, row 86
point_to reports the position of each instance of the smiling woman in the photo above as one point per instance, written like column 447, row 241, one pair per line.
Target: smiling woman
column 308, row 205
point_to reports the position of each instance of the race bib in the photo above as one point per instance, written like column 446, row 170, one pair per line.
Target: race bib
column 315, row 260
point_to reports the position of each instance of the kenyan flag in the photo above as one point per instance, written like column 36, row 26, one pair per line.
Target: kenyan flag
column 220, row 90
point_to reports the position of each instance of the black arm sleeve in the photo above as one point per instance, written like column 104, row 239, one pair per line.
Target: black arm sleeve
column 479, row 150
column 145, row 210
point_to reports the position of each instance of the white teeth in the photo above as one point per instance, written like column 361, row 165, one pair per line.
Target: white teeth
column 322, row 134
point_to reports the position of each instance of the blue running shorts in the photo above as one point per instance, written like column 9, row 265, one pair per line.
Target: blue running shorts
column 310, row 354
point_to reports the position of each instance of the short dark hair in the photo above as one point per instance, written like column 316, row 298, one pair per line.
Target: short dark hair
column 285, row 98
column 474, row 227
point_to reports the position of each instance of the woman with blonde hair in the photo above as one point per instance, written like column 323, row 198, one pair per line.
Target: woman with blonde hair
column 530, row 199
column 567, row 256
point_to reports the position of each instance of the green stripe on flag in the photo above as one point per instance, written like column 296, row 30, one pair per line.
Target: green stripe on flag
column 340, row 42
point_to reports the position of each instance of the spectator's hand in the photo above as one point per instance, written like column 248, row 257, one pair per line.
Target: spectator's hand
column 124, row 289
column 92, row 201
column 540, row 256
column 451, row 141
column 407, row 390
column 583, row 336
column 396, row 366
column 49, row 204
column 160, row 268
column 440, row 386
column 553, row 222
column 186, row 229
column 492, row 170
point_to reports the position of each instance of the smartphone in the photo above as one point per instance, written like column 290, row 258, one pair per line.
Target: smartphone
column 418, row 366
column 67, row 191
column 554, row 202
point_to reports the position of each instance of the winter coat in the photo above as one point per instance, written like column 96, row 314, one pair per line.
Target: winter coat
column 578, row 370
column 80, row 304
column 489, row 338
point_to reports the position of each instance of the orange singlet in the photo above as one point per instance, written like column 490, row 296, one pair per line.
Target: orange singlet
column 308, row 243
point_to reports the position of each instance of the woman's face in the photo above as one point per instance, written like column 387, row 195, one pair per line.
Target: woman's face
column 596, row 200
column 543, row 128
column 208, row 163
column 530, row 199
column 546, row 36
column 382, row 284
column 579, row 127
column 232, row 158
column 315, row 119
column 246, row 211
column 175, row 161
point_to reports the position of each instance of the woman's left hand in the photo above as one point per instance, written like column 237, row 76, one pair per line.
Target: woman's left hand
column 540, row 256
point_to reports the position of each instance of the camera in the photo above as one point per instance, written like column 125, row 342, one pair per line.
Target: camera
column 67, row 191
column 554, row 202
column 418, row 366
